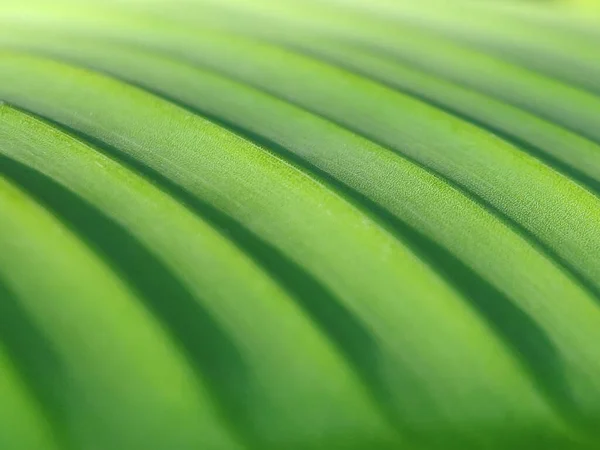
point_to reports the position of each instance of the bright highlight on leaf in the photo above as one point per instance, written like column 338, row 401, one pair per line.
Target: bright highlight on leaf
column 303, row 225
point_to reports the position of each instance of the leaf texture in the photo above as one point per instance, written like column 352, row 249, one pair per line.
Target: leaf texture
column 256, row 224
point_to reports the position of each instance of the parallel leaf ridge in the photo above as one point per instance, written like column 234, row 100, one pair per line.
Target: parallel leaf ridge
column 274, row 224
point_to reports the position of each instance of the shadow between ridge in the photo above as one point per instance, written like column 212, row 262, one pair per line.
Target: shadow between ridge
column 219, row 363
column 537, row 152
column 510, row 222
column 516, row 329
column 36, row 361
column 207, row 347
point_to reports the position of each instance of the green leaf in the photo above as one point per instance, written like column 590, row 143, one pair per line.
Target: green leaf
column 264, row 225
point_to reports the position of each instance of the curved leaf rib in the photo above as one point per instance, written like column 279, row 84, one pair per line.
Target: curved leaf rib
column 115, row 360
column 23, row 425
column 538, row 137
column 472, row 158
column 541, row 138
column 567, row 56
column 218, row 277
column 408, row 193
column 327, row 224
column 550, row 99
column 563, row 149
column 333, row 242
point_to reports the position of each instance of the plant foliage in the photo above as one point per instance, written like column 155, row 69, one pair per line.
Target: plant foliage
column 273, row 224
